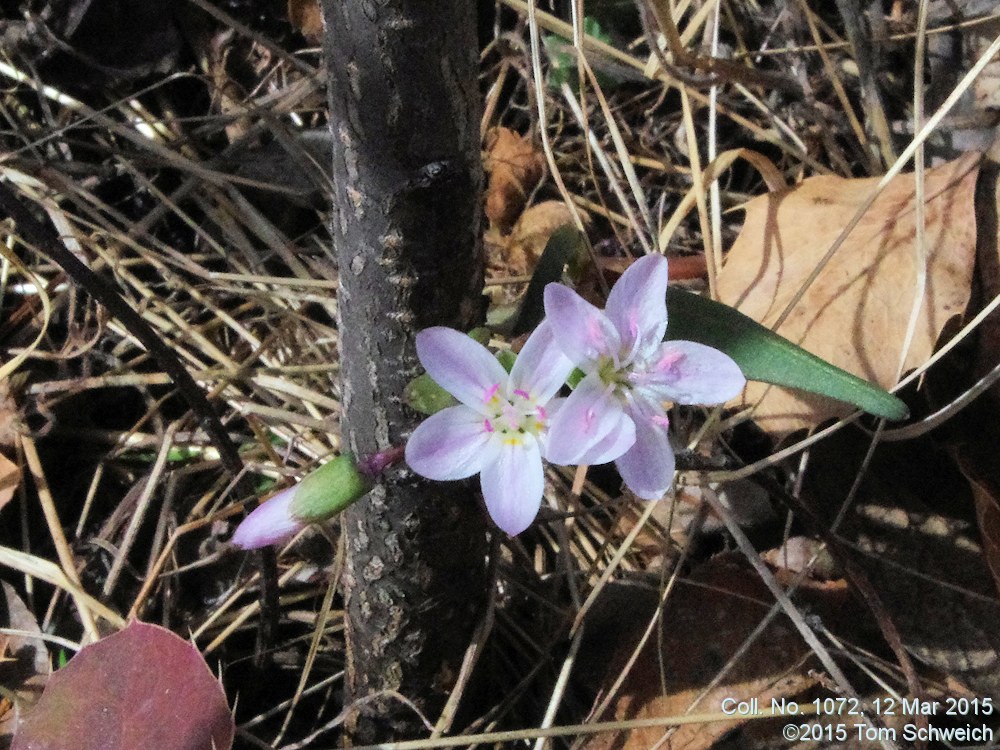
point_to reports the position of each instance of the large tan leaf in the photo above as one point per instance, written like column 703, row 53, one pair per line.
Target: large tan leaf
column 855, row 314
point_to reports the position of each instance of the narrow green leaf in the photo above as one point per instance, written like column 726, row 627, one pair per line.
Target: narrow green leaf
column 563, row 247
column 767, row 357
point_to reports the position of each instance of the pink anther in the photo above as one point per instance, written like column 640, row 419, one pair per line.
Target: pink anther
column 669, row 361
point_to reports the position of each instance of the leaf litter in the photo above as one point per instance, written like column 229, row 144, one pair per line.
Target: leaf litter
column 24, row 663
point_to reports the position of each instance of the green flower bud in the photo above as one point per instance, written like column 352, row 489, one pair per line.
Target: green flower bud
column 329, row 490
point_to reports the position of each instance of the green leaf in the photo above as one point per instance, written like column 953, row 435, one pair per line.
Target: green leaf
column 506, row 358
column 767, row 357
column 563, row 247
column 482, row 335
column 424, row 395
column 263, row 485
column 501, row 318
column 562, row 58
column 561, row 62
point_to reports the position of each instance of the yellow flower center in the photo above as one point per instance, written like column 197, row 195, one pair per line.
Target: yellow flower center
column 514, row 418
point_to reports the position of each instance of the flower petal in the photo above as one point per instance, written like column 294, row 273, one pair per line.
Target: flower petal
column 460, row 365
column 590, row 414
column 619, row 439
column 451, row 444
column 271, row 522
column 583, row 332
column 512, row 485
column 648, row 466
column 541, row 368
column 637, row 304
column 690, row 373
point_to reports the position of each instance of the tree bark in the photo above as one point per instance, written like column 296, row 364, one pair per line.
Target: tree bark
column 404, row 115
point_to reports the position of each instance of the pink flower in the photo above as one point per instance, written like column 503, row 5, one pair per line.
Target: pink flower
column 499, row 429
column 271, row 522
column 322, row 494
column 616, row 412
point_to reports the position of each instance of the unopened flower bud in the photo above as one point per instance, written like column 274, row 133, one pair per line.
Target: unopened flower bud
column 271, row 522
column 330, row 489
column 322, row 494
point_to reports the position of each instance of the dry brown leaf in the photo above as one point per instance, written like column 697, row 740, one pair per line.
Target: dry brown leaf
column 10, row 478
column 801, row 553
column 306, row 16
column 977, row 460
column 987, row 497
column 988, row 281
column 531, row 233
column 228, row 56
column 515, row 167
column 704, row 625
column 11, row 421
column 986, row 89
column 682, row 267
column 855, row 314
column 908, row 530
column 517, row 253
column 25, row 667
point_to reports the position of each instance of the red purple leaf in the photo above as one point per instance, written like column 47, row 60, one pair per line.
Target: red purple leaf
column 142, row 687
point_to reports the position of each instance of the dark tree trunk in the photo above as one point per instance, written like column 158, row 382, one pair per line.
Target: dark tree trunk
column 404, row 111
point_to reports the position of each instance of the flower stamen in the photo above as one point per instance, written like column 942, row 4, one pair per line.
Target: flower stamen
column 491, row 394
column 668, row 364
